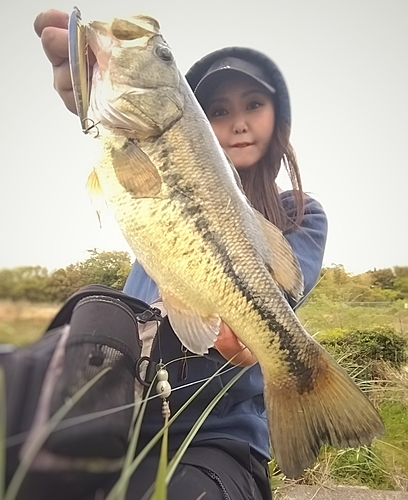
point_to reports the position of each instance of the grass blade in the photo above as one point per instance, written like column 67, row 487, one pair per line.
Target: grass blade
column 119, row 487
column 160, row 492
column 41, row 437
column 190, row 436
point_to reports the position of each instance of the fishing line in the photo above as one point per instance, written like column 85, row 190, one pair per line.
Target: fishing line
column 71, row 422
column 300, row 302
column 159, row 341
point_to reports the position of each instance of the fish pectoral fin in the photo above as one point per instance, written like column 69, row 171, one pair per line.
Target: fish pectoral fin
column 96, row 194
column 135, row 171
column 196, row 332
column 332, row 410
column 284, row 265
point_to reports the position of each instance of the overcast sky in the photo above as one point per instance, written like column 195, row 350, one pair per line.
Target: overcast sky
column 346, row 66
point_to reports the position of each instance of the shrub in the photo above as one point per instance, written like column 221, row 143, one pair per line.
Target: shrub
column 366, row 349
column 361, row 466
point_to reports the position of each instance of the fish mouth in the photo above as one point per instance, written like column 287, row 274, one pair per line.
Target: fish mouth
column 127, row 30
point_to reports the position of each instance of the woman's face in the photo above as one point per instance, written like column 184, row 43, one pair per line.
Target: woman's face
column 242, row 115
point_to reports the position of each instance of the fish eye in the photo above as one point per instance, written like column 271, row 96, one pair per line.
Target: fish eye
column 164, row 53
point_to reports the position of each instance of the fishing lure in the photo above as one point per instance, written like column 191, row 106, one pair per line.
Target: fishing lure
column 79, row 68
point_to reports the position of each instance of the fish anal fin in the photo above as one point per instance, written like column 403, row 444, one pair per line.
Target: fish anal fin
column 135, row 172
column 332, row 411
column 284, row 265
column 196, row 332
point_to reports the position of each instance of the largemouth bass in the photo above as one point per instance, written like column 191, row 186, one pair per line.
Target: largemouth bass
column 180, row 205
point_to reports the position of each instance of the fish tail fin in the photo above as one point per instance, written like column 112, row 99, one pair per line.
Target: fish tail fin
column 332, row 411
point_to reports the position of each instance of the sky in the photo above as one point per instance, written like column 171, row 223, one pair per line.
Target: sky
column 345, row 64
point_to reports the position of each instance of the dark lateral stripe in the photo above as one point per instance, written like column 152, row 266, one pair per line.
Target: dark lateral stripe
column 286, row 342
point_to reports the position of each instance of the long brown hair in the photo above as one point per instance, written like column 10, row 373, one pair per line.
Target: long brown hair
column 259, row 181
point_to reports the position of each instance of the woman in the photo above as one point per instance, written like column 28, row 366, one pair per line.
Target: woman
column 245, row 98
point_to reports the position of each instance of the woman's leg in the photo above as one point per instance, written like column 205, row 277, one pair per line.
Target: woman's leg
column 204, row 473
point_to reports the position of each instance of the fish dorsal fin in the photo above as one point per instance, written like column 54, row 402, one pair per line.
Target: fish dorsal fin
column 196, row 332
column 284, row 266
column 135, row 171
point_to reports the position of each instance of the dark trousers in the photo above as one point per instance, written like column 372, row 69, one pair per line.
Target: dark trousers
column 213, row 470
column 216, row 470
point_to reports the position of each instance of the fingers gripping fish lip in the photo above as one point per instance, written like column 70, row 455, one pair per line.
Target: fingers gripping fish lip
column 129, row 92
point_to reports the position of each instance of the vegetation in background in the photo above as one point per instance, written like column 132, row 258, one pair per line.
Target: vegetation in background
column 364, row 351
column 37, row 284
column 361, row 319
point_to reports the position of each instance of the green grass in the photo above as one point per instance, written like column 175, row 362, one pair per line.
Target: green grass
column 319, row 314
column 384, row 465
column 394, row 445
column 364, row 466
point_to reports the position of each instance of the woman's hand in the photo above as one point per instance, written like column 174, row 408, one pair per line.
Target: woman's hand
column 228, row 345
column 52, row 27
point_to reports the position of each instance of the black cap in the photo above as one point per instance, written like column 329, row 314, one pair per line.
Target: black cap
column 235, row 65
column 244, row 60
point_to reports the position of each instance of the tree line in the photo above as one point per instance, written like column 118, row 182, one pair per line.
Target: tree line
column 38, row 284
column 377, row 285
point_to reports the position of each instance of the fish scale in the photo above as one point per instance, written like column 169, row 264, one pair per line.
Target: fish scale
column 180, row 205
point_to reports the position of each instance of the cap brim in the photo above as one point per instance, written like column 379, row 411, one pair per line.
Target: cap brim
column 220, row 73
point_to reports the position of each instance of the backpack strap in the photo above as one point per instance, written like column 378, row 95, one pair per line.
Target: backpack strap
column 141, row 309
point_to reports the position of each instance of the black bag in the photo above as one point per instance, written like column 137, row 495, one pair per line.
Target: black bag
column 96, row 329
